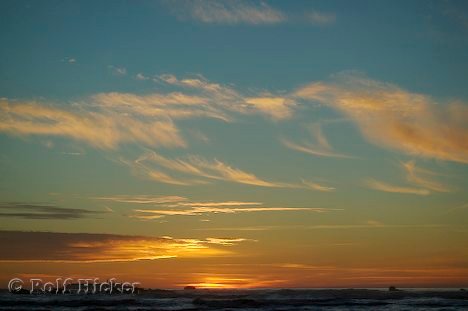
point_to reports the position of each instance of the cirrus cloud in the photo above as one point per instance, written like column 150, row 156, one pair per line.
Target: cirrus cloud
column 148, row 214
column 227, row 12
column 193, row 170
column 395, row 118
column 385, row 187
column 101, row 128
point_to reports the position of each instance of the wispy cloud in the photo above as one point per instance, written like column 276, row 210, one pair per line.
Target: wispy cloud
column 226, row 241
column 175, row 105
column 386, row 115
column 244, row 12
column 98, row 126
column 117, row 71
column 392, row 117
column 359, row 226
column 373, row 225
column 71, row 153
column 320, row 18
column 216, row 204
column 69, row 60
column 418, row 177
column 320, row 148
column 382, row 186
column 141, row 76
column 227, row 12
column 421, row 177
column 278, row 108
column 163, row 206
column 222, row 171
column 195, row 169
column 204, row 210
column 317, row 186
column 142, row 199
column 108, row 120
column 89, row 248
column 224, row 97
column 42, row 211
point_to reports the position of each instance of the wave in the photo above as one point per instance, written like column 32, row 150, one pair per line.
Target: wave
column 282, row 299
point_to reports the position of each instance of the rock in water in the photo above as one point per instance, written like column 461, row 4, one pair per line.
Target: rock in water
column 189, row 287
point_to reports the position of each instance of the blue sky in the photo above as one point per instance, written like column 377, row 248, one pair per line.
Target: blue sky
column 415, row 44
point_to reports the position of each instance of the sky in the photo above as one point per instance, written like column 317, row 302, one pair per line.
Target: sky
column 245, row 144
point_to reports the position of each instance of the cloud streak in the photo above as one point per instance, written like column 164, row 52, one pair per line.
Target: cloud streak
column 320, row 148
column 195, row 170
column 320, row 18
column 394, row 118
column 216, row 204
column 42, row 211
column 368, row 225
column 89, row 248
column 142, row 199
column 117, row 71
column 228, row 99
column 108, row 120
column 422, row 177
column 317, row 186
column 163, row 206
column 101, row 128
column 204, row 210
column 382, row 186
column 386, row 115
column 227, row 12
column 418, row 177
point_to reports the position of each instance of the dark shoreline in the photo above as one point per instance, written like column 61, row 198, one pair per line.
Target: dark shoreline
column 246, row 299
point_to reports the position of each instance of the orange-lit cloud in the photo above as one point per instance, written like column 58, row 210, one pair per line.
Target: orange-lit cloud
column 107, row 120
column 228, row 99
column 152, row 165
column 103, row 129
column 225, row 241
column 187, row 208
column 386, row 115
column 215, row 204
column 278, row 108
column 87, row 248
column 392, row 117
column 202, row 210
column 422, row 177
column 193, row 170
column 317, row 186
column 320, row 148
column 418, row 177
column 175, row 105
column 383, row 186
column 180, row 206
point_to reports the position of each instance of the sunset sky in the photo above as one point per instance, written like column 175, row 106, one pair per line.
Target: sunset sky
column 235, row 143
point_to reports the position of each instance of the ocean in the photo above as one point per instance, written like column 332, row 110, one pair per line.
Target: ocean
column 267, row 299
